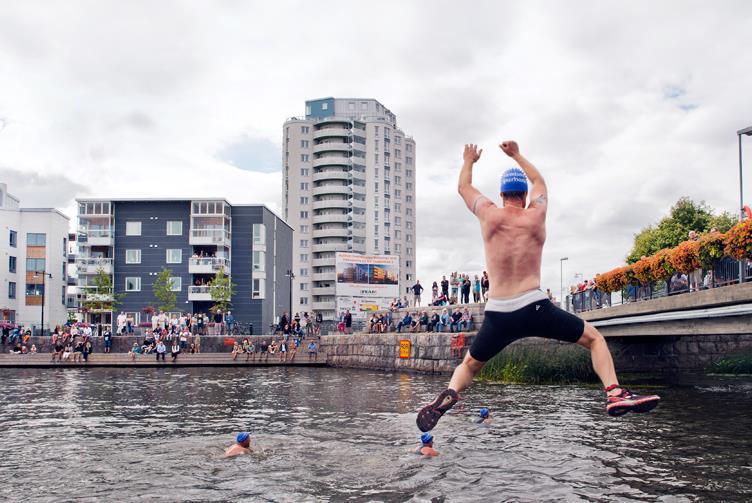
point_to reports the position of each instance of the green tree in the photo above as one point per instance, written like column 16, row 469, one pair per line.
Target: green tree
column 162, row 288
column 221, row 290
column 100, row 297
column 685, row 216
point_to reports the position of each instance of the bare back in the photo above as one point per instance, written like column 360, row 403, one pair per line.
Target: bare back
column 513, row 241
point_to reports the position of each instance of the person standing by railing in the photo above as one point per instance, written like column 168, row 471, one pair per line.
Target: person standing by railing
column 695, row 277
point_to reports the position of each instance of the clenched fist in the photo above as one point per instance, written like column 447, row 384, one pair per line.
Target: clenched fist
column 510, row 148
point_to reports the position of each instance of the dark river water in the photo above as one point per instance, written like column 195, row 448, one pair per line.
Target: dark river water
column 346, row 435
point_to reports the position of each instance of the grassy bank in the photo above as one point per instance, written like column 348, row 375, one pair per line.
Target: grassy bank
column 536, row 365
column 733, row 364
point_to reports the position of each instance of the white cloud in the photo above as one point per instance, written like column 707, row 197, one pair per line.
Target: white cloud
column 623, row 109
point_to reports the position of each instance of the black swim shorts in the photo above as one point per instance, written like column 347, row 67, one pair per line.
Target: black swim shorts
column 538, row 318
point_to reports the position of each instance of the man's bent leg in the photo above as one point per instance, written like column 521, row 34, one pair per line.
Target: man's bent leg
column 463, row 375
column 619, row 400
column 603, row 363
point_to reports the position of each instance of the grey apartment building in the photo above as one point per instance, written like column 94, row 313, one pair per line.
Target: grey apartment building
column 132, row 240
column 348, row 185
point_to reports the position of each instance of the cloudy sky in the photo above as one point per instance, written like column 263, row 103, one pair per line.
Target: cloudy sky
column 624, row 108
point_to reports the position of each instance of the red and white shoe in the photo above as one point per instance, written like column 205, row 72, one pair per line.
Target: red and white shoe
column 626, row 401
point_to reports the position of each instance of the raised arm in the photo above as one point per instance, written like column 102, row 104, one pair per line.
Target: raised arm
column 474, row 200
column 539, row 194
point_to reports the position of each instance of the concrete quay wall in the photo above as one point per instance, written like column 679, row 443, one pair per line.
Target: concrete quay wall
column 431, row 353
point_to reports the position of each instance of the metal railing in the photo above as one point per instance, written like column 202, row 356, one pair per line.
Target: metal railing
column 724, row 272
column 199, row 290
column 214, row 262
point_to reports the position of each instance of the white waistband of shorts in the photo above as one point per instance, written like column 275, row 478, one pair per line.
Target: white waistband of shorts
column 515, row 303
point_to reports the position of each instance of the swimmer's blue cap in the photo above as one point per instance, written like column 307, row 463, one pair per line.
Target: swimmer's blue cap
column 484, row 412
column 513, row 180
column 426, row 438
column 242, row 437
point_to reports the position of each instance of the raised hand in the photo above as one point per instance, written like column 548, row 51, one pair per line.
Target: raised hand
column 510, row 148
column 471, row 153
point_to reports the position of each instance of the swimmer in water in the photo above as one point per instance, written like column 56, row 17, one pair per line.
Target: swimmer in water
column 242, row 445
column 484, row 417
column 513, row 236
column 426, row 447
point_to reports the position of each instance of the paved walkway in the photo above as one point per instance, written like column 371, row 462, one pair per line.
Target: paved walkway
column 42, row 360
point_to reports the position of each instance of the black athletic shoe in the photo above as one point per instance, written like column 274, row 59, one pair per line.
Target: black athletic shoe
column 626, row 401
column 431, row 413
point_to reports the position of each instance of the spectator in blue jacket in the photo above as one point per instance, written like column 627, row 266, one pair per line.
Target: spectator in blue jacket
column 407, row 321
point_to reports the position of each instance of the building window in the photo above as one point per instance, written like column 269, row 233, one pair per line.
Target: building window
column 133, row 284
column 409, row 238
column 304, row 243
column 303, row 185
column 304, row 229
column 397, row 248
column 259, row 234
column 409, row 251
column 364, row 106
column 304, row 287
column 304, row 301
column 303, row 143
column 304, row 157
column 13, row 239
column 259, row 260
column 304, row 271
column 63, row 297
column 303, row 215
column 325, row 106
column 133, row 228
column 36, row 239
column 409, row 161
column 304, row 129
column 35, row 265
column 351, row 106
column 409, row 212
column 397, row 234
column 397, row 221
column 408, row 199
column 11, row 290
column 304, row 257
column 308, row 110
column 34, row 289
column 12, row 264
column 409, row 225
column 132, row 256
column 174, row 228
column 174, row 255
column 304, row 171
column 176, row 283
column 259, row 288
column 304, row 200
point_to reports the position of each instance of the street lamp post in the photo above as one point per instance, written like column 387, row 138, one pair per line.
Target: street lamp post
column 742, row 132
column 44, row 289
column 290, row 275
column 561, row 281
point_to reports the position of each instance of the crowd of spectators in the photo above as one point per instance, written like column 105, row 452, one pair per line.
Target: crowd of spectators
column 451, row 320
column 458, row 289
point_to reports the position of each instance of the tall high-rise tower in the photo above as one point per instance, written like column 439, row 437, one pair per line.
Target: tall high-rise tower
column 349, row 185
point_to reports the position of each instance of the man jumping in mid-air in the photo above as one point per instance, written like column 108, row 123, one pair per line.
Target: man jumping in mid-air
column 513, row 237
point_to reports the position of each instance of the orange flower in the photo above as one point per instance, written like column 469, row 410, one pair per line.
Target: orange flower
column 738, row 241
column 685, row 257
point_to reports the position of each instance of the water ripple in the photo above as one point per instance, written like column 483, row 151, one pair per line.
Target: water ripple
column 342, row 435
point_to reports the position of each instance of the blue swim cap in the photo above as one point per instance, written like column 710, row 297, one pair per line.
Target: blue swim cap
column 513, row 180
column 242, row 437
column 426, row 438
column 484, row 412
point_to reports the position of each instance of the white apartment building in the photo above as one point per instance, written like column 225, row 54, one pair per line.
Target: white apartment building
column 34, row 249
column 349, row 185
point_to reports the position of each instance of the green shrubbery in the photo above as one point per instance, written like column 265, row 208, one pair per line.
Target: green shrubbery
column 537, row 365
column 734, row 364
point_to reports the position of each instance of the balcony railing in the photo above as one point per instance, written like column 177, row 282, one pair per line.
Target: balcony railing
column 208, row 265
column 92, row 265
column 723, row 272
column 209, row 236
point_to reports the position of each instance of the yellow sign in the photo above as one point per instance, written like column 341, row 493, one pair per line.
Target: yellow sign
column 405, row 348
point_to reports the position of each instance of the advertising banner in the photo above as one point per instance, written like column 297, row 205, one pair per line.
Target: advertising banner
column 371, row 276
column 362, row 307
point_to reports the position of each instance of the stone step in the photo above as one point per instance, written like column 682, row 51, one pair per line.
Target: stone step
column 120, row 360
